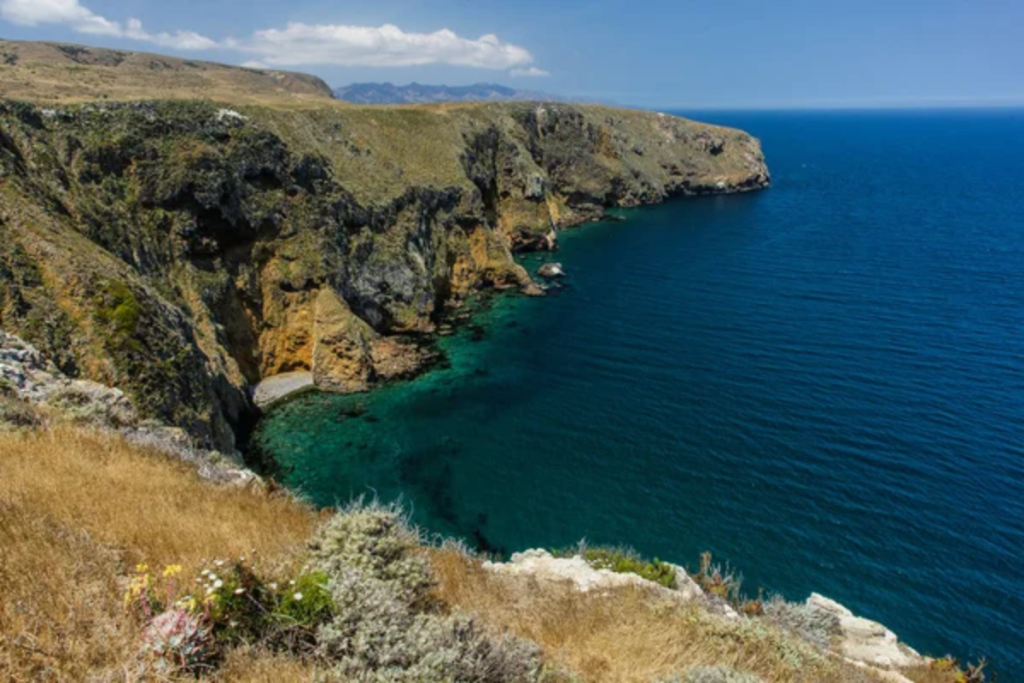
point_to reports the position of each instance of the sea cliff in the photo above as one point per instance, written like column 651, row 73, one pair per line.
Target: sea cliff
column 183, row 251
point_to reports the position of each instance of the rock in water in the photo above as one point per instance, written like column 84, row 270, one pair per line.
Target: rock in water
column 551, row 270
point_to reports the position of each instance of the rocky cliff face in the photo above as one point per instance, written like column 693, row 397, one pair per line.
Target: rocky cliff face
column 183, row 252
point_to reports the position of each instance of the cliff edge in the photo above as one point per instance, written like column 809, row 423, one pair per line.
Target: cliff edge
column 183, row 251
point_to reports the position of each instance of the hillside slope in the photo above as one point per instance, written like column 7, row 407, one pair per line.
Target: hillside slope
column 62, row 73
column 182, row 251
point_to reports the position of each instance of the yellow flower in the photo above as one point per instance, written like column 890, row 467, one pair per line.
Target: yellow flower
column 142, row 568
column 172, row 570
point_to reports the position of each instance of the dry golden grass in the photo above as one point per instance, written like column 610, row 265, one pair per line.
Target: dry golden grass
column 261, row 667
column 61, row 615
column 77, row 510
column 59, row 73
column 627, row 635
column 153, row 509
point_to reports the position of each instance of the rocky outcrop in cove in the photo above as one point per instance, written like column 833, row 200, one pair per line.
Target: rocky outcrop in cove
column 183, row 254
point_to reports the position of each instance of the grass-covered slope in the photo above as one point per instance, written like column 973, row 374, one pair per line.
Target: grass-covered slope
column 60, row 73
column 183, row 251
column 119, row 564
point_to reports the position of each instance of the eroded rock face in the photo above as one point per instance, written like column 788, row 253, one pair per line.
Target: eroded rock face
column 27, row 376
column 866, row 641
column 179, row 253
column 342, row 347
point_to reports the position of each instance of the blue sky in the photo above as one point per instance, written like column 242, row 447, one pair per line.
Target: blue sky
column 729, row 54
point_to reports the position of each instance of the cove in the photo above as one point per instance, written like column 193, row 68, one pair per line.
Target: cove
column 822, row 383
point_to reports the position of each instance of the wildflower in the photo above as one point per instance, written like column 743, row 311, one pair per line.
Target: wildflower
column 297, row 597
column 218, row 563
column 172, row 570
column 239, row 591
column 292, row 582
column 204, row 572
column 273, row 586
column 213, row 577
column 198, row 580
column 218, row 583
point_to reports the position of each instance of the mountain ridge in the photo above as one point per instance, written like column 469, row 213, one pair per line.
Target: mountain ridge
column 418, row 93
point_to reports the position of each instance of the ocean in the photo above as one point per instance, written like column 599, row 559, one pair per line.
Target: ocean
column 821, row 383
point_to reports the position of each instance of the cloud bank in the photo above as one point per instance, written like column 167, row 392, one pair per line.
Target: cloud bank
column 296, row 44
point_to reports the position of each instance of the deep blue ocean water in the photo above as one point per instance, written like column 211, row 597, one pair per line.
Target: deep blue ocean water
column 822, row 383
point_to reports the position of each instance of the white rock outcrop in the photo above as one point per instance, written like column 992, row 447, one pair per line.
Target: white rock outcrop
column 543, row 566
column 866, row 641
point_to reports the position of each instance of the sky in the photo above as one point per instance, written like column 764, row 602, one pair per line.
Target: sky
column 658, row 53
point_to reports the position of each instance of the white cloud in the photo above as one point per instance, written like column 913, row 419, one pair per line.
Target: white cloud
column 79, row 18
column 386, row 46
column 179, row 40
column 296, row 44
column 67, row 12
column 529, row 72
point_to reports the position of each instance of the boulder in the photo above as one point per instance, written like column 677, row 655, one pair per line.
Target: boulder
column 551, row 270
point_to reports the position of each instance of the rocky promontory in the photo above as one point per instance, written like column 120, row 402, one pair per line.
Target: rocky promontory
column 183, row 251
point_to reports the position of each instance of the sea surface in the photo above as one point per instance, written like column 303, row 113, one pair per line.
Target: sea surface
column 821, row 383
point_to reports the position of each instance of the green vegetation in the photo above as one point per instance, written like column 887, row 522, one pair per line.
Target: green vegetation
column 15, row 414
column 623, row 561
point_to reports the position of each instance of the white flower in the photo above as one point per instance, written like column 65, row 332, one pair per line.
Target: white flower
column 273, row 586
column 239, row 591
column 213, row 577
column 218, row 563
column 204, row 572
column 218, row 583
column 297, row 597
column 198, row 580
column 292, row 582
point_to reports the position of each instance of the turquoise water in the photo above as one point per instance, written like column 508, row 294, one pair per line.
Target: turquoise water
column 822, row 383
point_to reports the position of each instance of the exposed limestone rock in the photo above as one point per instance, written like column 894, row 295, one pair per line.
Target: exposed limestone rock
column 551, row 270
column 342, row 346
column 866, row 641
column 542, row 566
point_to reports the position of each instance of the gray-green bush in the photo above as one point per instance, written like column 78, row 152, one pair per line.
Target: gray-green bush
column 377, row 540
column 714, row 674
column 16, row 414
column 814, row 625
column 384, row 630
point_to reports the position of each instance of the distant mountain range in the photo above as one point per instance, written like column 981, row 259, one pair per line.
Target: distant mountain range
column 415, row 93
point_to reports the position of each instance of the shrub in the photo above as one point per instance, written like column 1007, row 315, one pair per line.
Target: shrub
column 813, row 625
column 16, row 414
column 377, row 637
column 718, row 582
column 377, row 540
column 236, row 605
column 623, row 561
column 178, row 642
column 81, row 406
column 717, row 674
